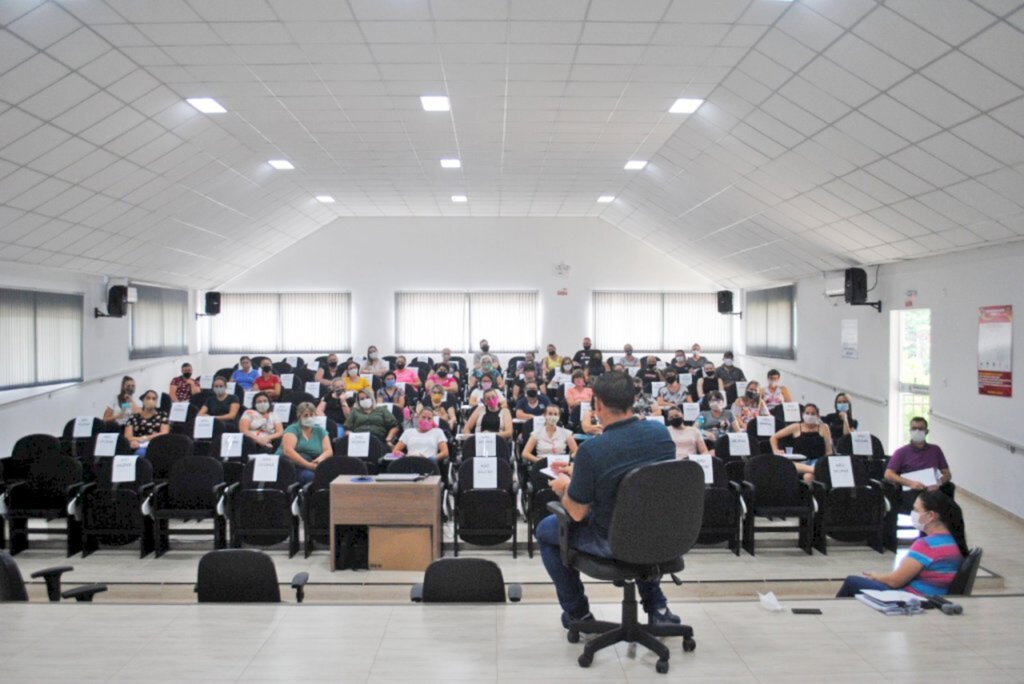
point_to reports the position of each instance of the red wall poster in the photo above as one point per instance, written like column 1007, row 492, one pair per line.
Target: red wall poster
column 995, row 350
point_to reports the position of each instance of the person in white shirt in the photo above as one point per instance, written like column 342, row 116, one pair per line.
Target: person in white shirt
column 426, row 439
column 550, row 440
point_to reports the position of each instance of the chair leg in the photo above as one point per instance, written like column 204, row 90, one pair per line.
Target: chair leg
column 515, row 535
column 147, row 543
column 220, row 533
column 74, row 532
column 748, row 534
column 820, row 540
column 3, row 533
column 19, row 535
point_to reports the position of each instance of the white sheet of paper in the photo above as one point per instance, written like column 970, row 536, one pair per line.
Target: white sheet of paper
column 656, row 419
column 231, row 445
column 287, row 380
column 548, row 472
column 705, row 462
column 538, row 423
column 485, row 473
column 739, row 444
column 106, row 444
column 313, row 388
column 124, row 469
column 791, row 412
column 203, row 428
column 486, row 444
column 691, row 411
column 231, row 387
column 389, row 406
column 322, row 422
column 861, row 443
column 437, row 421
column 83, row 427
column 368, row 377
column 265, row 469
column 206, row 381
column 770, row 602
column 179, row 412
column 765, row 426
column 562, row 379
column 283, row 409
column 633, row 370
column 584, row 408
column 926, row 476
column 656, row 388
column 741, row 388
column 247, row 399
column 359, row 444
column 686, row 379
column 840, row 469
column 400, row 386
column 560, row 458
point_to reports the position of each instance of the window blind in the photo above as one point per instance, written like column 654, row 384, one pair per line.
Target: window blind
column 507, row 320
column 288, row 322
column 660, row 321
column 769, row 317
column 430, row 321
column 41, row 335
column 159, row 323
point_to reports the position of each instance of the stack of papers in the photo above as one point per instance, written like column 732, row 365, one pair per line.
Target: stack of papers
column 892, row 602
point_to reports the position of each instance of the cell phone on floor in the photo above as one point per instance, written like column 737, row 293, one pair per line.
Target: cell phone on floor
column 807, row 611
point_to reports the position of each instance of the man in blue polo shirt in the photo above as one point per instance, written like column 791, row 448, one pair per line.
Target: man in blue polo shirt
column 588, row 489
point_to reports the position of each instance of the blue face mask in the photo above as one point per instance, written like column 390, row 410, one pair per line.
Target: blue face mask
column 842, row 406
column 389, row 383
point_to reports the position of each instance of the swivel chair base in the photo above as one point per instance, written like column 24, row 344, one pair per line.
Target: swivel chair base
column 631, row 631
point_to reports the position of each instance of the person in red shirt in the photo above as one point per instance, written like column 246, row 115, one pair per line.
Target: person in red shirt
column 267, row 381
column 183, row 387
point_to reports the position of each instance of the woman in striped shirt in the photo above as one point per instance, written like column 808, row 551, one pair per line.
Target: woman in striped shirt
column 933, row 560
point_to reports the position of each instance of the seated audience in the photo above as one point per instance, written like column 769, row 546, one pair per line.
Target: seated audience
column 695, row 364
column 329, row 371
column 811, row 437
column 551, row 440
column 842, row 422
column 934, row 558
column 709, row 382
column 478, row 356
column 678, row 363
column 730, row 375
column 375, row 365
column 687, row 438
column 673, row 393
column 582, row 357
column 579, row 392
column 267, row 381
column 183, row 387
column 441, row 405
column 148, row 423
column 919, row 455
column 532, row 403
column 649, row 372
column 305, row 443
column 627, row 359
column 220, row 404
column 353, row 381
column 391, row 393
column 596, row 367
column 487, row 369
column 365, row 416
column 245, row 374
column 124, row 403
column 334, row 403
column 426, row 439
column 775, row 393
column 490, row 416
column 644, row 405
column 260, row 424
column 528, row 376
column 552, row 362
column 748, row 407
column 717, row 419
column 442, row 377
column 410, row 376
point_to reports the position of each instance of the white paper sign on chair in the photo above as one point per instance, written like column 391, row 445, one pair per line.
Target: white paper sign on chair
column 359, row 444
column 685, row 379
column 486, row 444
column 313, row 388
column 538, row 423
column 691, row 411
column 205, row 381
column 124, row 469
column 83, row 427
column 203, row 428
column 265, row 469
column 791, row 412
column 106, row 444
column 840, row 469
column 247, row 398
column 231, row 445
column 283, row 410
column 861, row 443
column 231, row 387
column 656, row 388
column 765, row 426
column 485, row 473
column 287, row 380
column 739, row 444
column 179, row 412
column 705, row 462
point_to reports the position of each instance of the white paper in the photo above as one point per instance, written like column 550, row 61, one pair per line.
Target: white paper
column 765, row 426
column 391, row 407
column 283, row 409
column 548, row 472
column 861, row 443
column 656, row 419
column 769, row 602
column 231, row 445
column 538, row 423
column 400, row 386
column 632, row 370
column 561, row 379
column 203, row 428
column 656, row 388
column 840, row 469
column 558, row 458
column 485, row 473
column 106, row 444
column 486, row 444
column 359, row 444
column 791, row 412
column 179, row 412
column 83, row 427
column 321, row 421
column 926, row 476
column 705, row 462
column 287, row 380
column 584, row 408
column 205, row 381
column 231, row 386
column 247, row 398
column 848, row 338
column 741, row 388
column 124, row 469
column 739, row 444
column 265, row 469
column 686, row 379
column 368, row 377
column 313, row 388
column 691, row 411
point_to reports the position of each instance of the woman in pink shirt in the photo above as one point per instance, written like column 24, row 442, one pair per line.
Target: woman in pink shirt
column 442, row 376
column 409, row 376
column 579, row 392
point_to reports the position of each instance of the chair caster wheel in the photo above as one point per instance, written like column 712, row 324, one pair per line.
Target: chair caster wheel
column 661, row 666
column 689, row 645
column 585, row 660
column 573, row 636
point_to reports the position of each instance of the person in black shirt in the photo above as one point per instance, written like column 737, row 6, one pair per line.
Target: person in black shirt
column 582, row 357
column 649, row 372
column 220, row 404
column 842, row 421
column 730, row 375
column 596, row 367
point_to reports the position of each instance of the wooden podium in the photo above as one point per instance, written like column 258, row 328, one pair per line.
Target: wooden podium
column 404, row 520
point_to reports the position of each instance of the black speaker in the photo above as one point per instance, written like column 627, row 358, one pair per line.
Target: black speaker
column 724, row 301
column 212, row 303
column 855, row 286
column 117, row 301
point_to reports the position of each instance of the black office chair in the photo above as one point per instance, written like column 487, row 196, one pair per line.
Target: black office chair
column 27, row 450
column 76, row 447
column 374, row 453
column 260, row 513
column 538, row 495
column 50, row 482
column 502, row 447
column 315, row 498
column 164, row 450
column 12, row 585
column 233, row 465
column 91, row 462
column 242, row 576
column 192, row 491
column 204, row 446
column 723, row 509
column 225, row 373
column 464, row 580
column 657, row 518
column 963, row 581
column 485, row 517
column 848, row 514
column 764, row 446
column 773, row 489
column 111, row 512
column 844, row 445
column 419, row 465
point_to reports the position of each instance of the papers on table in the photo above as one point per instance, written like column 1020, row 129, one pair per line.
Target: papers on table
column 926, row 476
column 861, row 443
column 840, row 469
column 765, row 426
column 791, row 412
column 283, row 410
column 124, row 469
column 486, row 444
column 203, row 428
column 247, row 398
column 313, row 388
column 265, row 469
column 359, row 444
column 485, row 473
column 704, row 460
column 691, row 411
column 106, row 444
column 231, row 445
column 891, row 602
column 179, row 412
column 739, row 444
column 83, row 427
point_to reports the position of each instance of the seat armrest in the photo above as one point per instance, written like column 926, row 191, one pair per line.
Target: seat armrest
column 293, row 490
column 232, row 489
column 515, row 593
column 564, row 522
column 73, row 489
column 146, row 489
column 304, row 490
column 299, row 585
column 416, row 593
column 84, row 488
column 84, row 593
column 52, row 577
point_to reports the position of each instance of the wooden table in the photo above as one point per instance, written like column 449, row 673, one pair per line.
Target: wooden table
column 404, row 520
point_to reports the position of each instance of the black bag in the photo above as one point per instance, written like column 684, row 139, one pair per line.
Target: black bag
column 352, row 547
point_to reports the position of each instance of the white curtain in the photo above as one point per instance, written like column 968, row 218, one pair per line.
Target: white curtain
column 430, row 321
column 41, row 335
column 507, row 320
column 159, row 322
column 622, row 318
column 268, row 322
column 312, row 322
column 693, row 317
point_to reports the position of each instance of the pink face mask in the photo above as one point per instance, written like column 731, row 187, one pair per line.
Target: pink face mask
column 426, row 424
column 492, row 402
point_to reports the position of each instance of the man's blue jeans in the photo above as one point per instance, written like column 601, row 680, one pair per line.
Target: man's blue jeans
column 567, row 581
column 857, row 583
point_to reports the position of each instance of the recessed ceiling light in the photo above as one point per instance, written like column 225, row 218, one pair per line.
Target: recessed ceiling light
column 206, row 105
column 325, row 199
column 435, row 103
column 685, row 105
column 451, row 164
column 459, row 198
column 281, row 164
column 605, row 199
column 635, row 165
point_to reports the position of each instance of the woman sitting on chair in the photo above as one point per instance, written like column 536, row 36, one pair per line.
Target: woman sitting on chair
column 491, row 416
column 391, row 393
column 148, row 423
column 124, row 405
column 688, row 439
column 260, row 424
column 438, row 402
column 933, row 560
column 748, row 407
column 811, row 437
column 842, row 422
column 550, row 440
column 426, row 439
column 305, row 443
column 221, row 405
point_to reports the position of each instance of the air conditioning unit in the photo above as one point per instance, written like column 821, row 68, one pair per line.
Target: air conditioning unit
column 835, row 284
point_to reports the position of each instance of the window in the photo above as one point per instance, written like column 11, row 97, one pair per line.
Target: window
column 159, row 323
column 429, row 321
column 659, row 321
column 914, row 328
column 41, row 335
column 290, row 322
column 769, row 316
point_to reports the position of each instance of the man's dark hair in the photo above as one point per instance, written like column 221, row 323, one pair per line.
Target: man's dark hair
column 919, row 419
column 615, row 390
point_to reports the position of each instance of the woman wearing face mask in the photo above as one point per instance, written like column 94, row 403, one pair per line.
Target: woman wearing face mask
column 375, row 365
column 391, row 393
column 644, row 404
column 551, row 361
column 328, row 372
column 551, row 440
column 441, row 405
column 486, row 384
column 442, row 377
column 811, row 438
column 260, row 424
column 490, row 416
column 687, row 438
column 352, row 380
column 426, row 439
column 578, row 392
column 221, row 405
column 709, row 382
column 487, row 369
column 717, row 419
column 148, row 423
column 596, row 367
column 933, row 560
column 748, row 407
column 562, row 376
column 775, row 393
column 841, row 422
column 403, row 373
column 365, row 416
column 334, row 405
column 678, row 362
column 305, row 443
column 649, row 372
column 124, row 404
column 267, row 381
column 673, row 393
column 532, row 404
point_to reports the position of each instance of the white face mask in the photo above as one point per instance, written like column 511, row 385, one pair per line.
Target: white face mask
column 306, row 421
column 365, row 403
column 551, row 420
column 353, row 372
column 915, row 520
column 262, row 406
column 810, row 419
column 717, row 405
column 917, row 436
column 726, row 362
column 373, row 356
column 220, row 391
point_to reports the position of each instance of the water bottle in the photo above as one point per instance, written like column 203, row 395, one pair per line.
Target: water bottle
column 700, row 423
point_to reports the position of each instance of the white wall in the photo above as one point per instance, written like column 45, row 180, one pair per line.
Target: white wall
column 952, row 287
column 105, row 360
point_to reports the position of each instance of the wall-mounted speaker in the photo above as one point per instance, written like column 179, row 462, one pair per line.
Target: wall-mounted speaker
column 725, row 301
column 117, row 301
column 855, row 286
column 212, row 303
